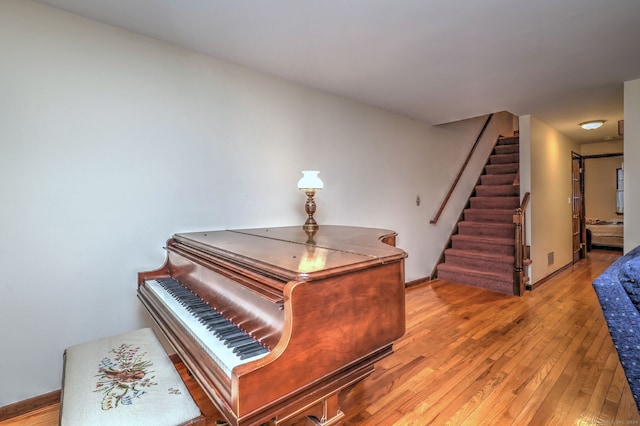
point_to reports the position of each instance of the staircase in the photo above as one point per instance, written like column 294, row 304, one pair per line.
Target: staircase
column 482, row 251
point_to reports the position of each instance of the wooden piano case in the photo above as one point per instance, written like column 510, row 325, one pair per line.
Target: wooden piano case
column 328, row 306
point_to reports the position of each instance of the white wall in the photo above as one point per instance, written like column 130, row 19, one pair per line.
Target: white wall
column 600, row 148
column 524, row 129
column 600, row 187
column 631, row 164
column 548, row 153
column 112, row 142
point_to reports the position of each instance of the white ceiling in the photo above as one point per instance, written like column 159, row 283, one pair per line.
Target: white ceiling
column 563, row 61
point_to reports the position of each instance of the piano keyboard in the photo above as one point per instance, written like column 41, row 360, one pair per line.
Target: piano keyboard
column 227, row 344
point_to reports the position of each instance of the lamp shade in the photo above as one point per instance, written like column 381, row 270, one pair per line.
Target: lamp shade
column 310, row 180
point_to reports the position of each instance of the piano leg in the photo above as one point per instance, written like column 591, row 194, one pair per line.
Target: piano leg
column 331, row 413
column 325, row 413
column 320, row 405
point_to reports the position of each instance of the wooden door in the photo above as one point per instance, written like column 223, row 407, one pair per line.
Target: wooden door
column 577, row 207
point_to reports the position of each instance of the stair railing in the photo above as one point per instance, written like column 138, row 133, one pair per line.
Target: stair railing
column 522, row 251
column 462, row 169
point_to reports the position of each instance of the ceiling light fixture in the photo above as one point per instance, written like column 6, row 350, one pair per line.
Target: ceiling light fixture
column 591, row 125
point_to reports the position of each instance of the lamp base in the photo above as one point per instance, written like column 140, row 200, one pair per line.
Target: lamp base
column 310, row 226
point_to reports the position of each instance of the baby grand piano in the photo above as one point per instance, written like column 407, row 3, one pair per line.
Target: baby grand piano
column 276, row 323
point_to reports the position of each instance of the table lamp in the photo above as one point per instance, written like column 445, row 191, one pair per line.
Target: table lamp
column 309, row 184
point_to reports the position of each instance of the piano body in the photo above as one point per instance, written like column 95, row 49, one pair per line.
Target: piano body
column 275, row 323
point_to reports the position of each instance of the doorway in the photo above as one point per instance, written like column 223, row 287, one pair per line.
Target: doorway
column 577, row 208
column 604, row 208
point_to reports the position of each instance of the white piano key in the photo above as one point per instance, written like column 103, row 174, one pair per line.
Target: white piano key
column 222, row 355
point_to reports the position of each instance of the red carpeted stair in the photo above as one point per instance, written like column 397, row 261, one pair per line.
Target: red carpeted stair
column 482, row 251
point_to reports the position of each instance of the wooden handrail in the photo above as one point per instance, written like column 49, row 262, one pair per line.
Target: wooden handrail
column 462, row 169
column 521, row 252
column 525, row 201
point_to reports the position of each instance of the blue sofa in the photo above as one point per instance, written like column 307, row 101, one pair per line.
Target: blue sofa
column 618, row 290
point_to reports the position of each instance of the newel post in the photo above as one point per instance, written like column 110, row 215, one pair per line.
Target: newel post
column 518, row 281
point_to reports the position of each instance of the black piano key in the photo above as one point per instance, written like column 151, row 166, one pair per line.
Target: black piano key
column 240, row 338
column 216, row 323
column 233, row 337
column 221, row 327
column 211, row 314
column 256, row 349
column 245, row 347
column 229, row 332
column 224, row 327
column 234, row 342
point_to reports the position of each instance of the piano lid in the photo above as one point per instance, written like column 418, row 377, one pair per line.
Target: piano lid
column 294, row 253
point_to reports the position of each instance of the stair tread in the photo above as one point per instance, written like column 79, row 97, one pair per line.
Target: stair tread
column 491, row 210
column 496, row 198
column 486, row 224
column 497, row 191
column 476, row 272
column 507, row 140
column 503, row 258
column 495, row 229
column 484, row 239
column 504, row 158
column 503, row 199
column 500, row 186
column 477, row 228
column 499, row 169
column 500, row 175
column 507, row 148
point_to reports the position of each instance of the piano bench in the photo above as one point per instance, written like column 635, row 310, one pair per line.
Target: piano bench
column 124, row 380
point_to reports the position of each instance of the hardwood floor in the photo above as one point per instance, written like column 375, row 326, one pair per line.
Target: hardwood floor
column 474, row 357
